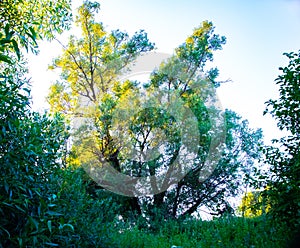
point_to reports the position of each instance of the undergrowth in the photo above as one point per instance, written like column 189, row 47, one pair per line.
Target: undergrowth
column 222, row 232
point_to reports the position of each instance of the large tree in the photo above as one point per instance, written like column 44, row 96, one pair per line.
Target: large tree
column 166, row 143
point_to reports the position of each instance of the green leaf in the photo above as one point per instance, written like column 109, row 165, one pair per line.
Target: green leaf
column 16, row 48
column 4, row 41
column 34, row 222
column 49, row 224
column 66, row 225
column 52, row 213
column 6, row 29
column 5, row 58
column 51, row 244
column 33, row 33
column 22, row 210
column 6, row 231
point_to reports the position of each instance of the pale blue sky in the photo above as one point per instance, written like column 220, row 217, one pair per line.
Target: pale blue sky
column 257, row 31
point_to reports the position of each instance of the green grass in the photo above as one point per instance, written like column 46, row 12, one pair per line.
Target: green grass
column 224, row 232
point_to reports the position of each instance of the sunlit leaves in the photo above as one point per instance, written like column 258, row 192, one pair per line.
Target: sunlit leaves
column 254, row 204
column 199, row 46
column 23, row 23
column 45, row 18
column 91, row 64
column 59, row 98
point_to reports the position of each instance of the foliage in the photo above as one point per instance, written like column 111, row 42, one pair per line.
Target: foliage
column 91, row 88
column 23, row 23
column 44, row 203
column 31, row 144
column 30, row 149
column 93, row 216
column 253, row 204
column 284, row 157
column 220, row 232
column 41, row 202
column 92, row 63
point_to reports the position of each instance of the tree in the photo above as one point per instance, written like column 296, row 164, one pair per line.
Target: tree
column 283, row 158
column 153, row 139
column 91, row 66
column 185, row 74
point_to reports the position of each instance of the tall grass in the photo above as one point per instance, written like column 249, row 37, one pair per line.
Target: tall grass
column 229, row 232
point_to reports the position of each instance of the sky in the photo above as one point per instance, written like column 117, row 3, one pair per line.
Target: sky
column 258, row 32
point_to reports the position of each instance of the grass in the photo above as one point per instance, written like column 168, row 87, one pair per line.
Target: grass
column 223, row 232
